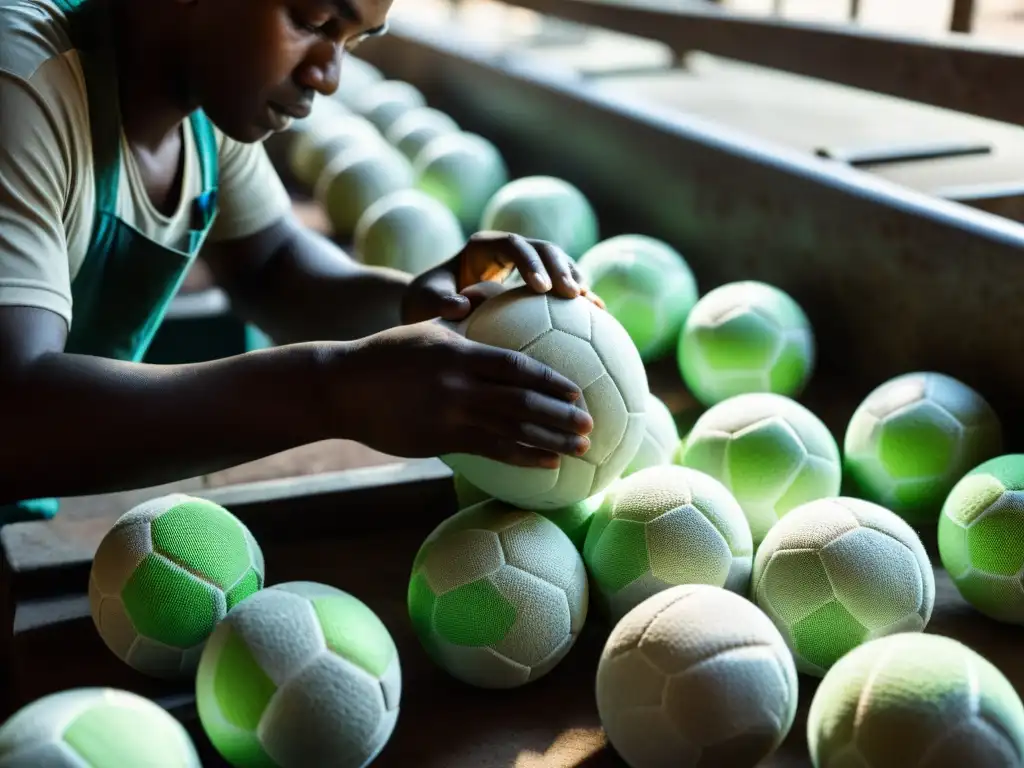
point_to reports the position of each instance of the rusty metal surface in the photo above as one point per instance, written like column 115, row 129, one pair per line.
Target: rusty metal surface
column 893, row 280
column 953, row 71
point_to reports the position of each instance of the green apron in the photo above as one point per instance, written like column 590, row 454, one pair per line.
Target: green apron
column 122, row 291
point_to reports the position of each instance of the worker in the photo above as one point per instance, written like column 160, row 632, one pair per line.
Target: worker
column 130, row 138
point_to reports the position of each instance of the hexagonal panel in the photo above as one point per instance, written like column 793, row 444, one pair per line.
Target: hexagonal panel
column 816, row 479
column 475, row 614
column 205, row 539
column 460, row 558
column 918, row 441
column 169, row 604
column 685, row 548
column 541, row 619
column 742, row 341
column 510, row 321
column 996, row 541
column 763, row 459
column 571, row 356
column 538, row 547
column 354, row 632
column 619, row 556
column 824, row 637
column 876, row 578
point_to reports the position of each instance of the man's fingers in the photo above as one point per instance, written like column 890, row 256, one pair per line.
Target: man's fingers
column 506, row 248
column 516, row 369
column 559, row 267
column 481, row 292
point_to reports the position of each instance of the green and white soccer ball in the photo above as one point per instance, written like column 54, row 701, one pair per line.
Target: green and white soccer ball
column 300, row 674
column 913, row 438
column 463, row 171
column 544, row 208
column 590, row 348
column 980, row 539
column 358, row 177
column 95, row 728
column 915, row 699
column 498, row 595
column 770, row 451
column 164, row 576
column 661, row 438
column 418, row 127
column 662, row 527
column 384, row 103
column 646, row 285
column 745, row 337
column 835, row 573
column 408, row 230
column 696, row 676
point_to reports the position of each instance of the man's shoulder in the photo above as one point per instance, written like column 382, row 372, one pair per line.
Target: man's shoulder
column 32, row 33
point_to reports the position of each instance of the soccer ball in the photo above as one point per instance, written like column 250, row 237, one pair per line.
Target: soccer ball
column 745, row 337
column 835, row 573
column 300, row 674
column 408, row 230
column 165, row 575
column 356, row 178
column 665, row 526
column 646, row 285
column 913, row 438
column 588, row 346
column 979, row 538
column 463, row 171
column 544, row 208
column 770, row 451
column 384, row 103
column 915, row 699
column 661, row 438
column 95, row 727
column 696, row 676
column 325, row 137
column 497, row 595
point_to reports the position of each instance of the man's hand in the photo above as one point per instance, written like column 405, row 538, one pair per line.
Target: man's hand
column 452, row 290
column 423, row 390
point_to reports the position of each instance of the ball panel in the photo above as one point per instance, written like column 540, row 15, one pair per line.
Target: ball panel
column 771, row 446
column 854, row 562
column 113, row 624
column 461, row 557
column 129, row 730
column 301, row 723
column 971, row 496
column 475, row 614
column 956, row 558
column 792, row 367
column 574, row 357
column 511, row 320
column 169, row 604
column 742, row 340
column 628, row 680
column 205, row 539
column 620, row 358
column 481, row 666
column 685, row 548
column 920, row 440
column 824, row 636
column 354, row 632
column 792, row 585
column 251, row 582
column 537, row 546
column 816, row 479
column 540, row 626
column 121, row 551
column 995, row 541
column 998, row 597
column 618, row 555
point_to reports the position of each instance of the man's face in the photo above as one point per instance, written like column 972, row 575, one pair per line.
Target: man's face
column 256, row 64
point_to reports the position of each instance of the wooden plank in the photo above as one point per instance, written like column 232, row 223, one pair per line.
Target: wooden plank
column 952, row 70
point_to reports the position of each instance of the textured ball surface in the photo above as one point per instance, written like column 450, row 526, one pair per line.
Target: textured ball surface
column 95, row 728
column 411, row 132
column 589, row 347
column 770, row 451
column 838, row 572
column 981, row 538
column 163, row 577
column 463, row 171
column 544, row 208
column 921, row 700
column 408, row 230
column 358, row 177
column 314, row 148
column 573, row 520
column 498, row 595
column 301, row 674
column 696, row 676
column 646, row 285
column 913, row 438
column 383, row 103
column 745, row 337
column 661, row 438
column 662, row 527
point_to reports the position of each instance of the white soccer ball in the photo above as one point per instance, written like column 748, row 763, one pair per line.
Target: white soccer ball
column 357, row 178
column 408, row 230
column 314, row 148
column 696, row 676
column 835, row 573
column 913, row 438
column 588, row 346
column 463, row 171
column 418, row 127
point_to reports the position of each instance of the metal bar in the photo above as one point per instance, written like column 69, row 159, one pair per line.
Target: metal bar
column 877, row 267
column 952, row 71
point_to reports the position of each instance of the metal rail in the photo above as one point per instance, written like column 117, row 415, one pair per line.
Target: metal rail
column 953, row 70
